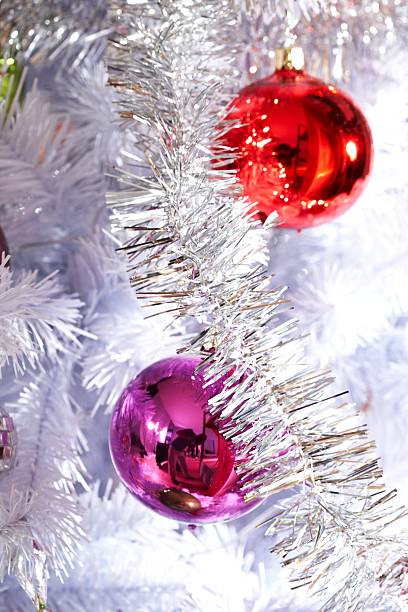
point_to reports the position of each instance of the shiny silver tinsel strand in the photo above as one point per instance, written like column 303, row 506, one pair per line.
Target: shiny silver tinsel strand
column 193, row 254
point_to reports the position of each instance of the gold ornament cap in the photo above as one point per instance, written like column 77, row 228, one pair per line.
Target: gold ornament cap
column 289, row 58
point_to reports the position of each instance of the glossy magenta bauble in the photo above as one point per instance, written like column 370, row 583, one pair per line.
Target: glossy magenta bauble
column 168, row 449
column 304, row 149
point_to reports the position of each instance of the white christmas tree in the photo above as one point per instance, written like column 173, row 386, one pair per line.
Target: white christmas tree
column 110, row 116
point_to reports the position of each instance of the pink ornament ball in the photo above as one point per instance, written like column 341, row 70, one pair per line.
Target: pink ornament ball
column 168, row 450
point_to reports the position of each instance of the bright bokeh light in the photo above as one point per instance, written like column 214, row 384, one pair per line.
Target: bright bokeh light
column 351, row 150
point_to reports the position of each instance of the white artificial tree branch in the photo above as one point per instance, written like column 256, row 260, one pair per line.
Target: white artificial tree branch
column 139, row 561
column 36, row 319
column 37, row 500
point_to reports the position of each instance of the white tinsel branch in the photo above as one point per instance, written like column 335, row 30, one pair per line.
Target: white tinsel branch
column 288, row 11
column 45, row 178
column 115, row 350
column 39, row 526
column 210, row 568
column 191, row 256
column 36, row 319
column 43, row 167
column 344, row 42
column 44, row 31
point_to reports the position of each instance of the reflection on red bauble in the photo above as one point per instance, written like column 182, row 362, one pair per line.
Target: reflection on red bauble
column 304, row 150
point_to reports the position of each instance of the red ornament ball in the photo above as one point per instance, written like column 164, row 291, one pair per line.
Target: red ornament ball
column 304, row 150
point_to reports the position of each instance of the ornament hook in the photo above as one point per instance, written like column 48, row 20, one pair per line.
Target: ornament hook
column 289, row 58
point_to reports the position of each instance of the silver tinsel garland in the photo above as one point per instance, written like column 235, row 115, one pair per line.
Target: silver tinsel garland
column 192, row 253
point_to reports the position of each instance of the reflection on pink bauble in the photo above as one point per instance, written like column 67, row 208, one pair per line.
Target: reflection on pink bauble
column 3, row 245
column 168, row 450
